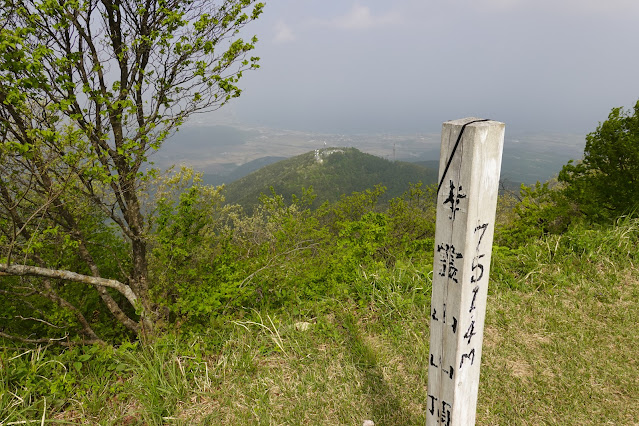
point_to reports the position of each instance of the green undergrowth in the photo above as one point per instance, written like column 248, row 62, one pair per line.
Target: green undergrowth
column 559, row 348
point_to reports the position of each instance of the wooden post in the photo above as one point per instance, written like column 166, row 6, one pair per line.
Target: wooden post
column 469, row 166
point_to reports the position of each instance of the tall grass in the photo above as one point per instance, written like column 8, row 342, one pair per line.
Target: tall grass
column 22, row 373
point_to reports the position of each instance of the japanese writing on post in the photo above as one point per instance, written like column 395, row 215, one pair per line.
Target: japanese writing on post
column 455, row 196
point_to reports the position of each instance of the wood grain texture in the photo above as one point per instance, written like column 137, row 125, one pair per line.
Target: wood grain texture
column 466, row 206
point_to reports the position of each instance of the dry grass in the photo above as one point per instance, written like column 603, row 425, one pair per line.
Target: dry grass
column 563, row 358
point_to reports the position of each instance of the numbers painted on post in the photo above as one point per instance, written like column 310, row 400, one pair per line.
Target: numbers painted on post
column 466, row 200
column 476, row 276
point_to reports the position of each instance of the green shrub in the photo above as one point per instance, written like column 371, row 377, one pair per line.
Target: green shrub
column 544, row 210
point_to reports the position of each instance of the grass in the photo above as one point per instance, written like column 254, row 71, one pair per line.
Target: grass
column 559, row 348
column 562, row 358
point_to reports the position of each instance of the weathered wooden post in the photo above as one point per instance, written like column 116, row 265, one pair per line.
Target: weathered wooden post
column 470, row 162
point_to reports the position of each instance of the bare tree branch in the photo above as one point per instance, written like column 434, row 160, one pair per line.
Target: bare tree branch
column 22, row 270
column 62, row 341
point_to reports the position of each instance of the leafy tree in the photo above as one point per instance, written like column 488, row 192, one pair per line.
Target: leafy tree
column 88, row 90
column 543, row 209
column 606, row 183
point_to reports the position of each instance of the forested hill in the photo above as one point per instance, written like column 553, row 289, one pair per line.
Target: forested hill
column 331, row 172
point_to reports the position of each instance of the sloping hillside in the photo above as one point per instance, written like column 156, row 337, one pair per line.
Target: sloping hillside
column 331, row 172
column 239, row 172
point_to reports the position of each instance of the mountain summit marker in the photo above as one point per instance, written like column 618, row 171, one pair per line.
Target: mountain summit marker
column 469, row 167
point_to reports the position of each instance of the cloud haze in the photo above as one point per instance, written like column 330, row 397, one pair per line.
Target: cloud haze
column 408, row 65
column 283, row 33
column 360, row 18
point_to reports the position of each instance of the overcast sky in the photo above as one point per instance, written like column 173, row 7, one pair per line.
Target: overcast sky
column 406, row 66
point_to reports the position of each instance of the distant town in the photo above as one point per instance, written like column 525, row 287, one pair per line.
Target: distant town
column 219, row 149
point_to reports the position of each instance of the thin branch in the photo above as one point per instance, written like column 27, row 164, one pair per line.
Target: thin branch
column 33, row 319
column 27, row 270
column 63, row 341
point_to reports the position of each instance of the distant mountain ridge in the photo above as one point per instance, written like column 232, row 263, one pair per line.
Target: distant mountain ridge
column 218, row 149
column 331, row 172
column 239, row 171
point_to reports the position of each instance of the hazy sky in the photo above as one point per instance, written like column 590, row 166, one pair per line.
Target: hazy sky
column 408, row 65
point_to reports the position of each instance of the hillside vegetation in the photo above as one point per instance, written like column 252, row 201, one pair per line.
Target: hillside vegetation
column 560, row 328
column 331, row 172
column 294, row 315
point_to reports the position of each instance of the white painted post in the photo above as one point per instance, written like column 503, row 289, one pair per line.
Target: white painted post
column 470, row 162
